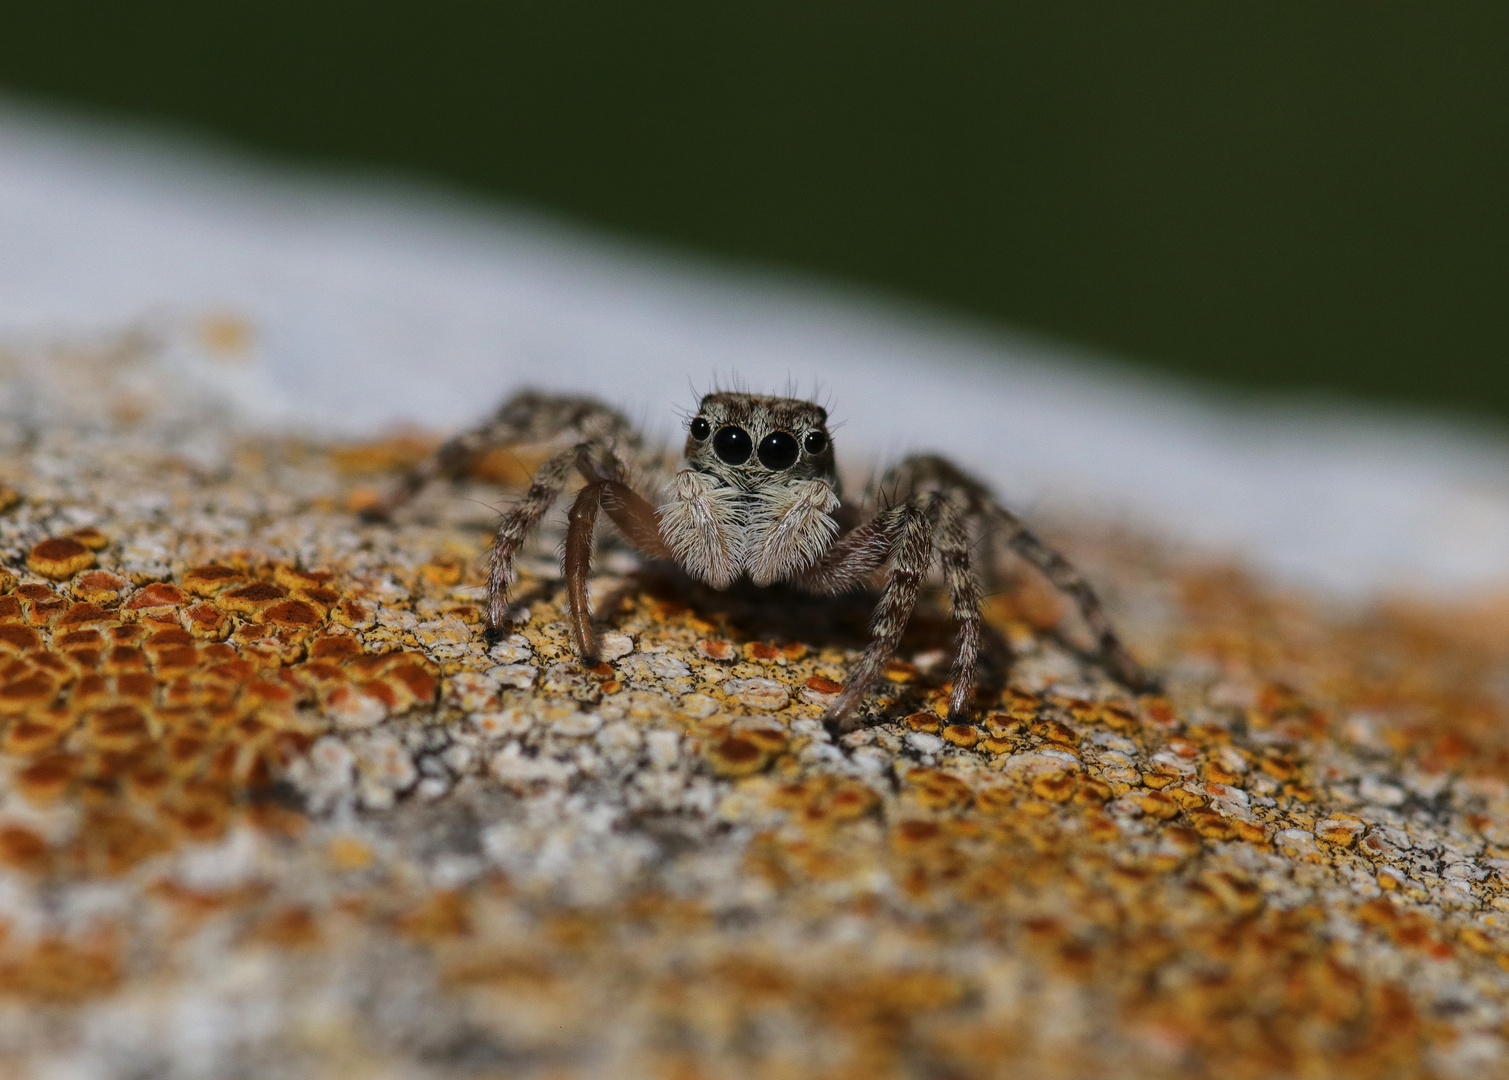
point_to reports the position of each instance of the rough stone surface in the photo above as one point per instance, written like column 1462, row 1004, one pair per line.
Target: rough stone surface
column 269, row 807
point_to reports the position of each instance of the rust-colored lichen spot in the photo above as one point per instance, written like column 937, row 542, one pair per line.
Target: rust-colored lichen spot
column 938, row 790
column 442, row 915
column 100, row 587
column 58, row 972
column 291, row 928
column 22, row 849
column 59, row 558
column 91, row 538
column 399, row 452
column 963, row 736
column 737, row 755
column 922, row 721
column 211, row 579
column 716, row 650
column 253, row 598
column 158, row 598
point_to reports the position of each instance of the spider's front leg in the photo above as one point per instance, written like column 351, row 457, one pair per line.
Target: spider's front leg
column 902, row 535
column 608, row 487
column 631, row 512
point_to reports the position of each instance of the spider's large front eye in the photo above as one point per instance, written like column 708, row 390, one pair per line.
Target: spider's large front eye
column 732, row 445
column 815, row 443
column 701, row 429
column 778, row 451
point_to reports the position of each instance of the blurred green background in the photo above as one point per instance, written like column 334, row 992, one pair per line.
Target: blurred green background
column 1286, row 195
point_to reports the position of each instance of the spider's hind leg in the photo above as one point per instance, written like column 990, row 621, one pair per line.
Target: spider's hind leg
column 980, row 513
column 1111, row 653
column 529, row 416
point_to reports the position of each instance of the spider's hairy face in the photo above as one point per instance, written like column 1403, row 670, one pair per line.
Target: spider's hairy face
column 756, row 490
column 753, row 442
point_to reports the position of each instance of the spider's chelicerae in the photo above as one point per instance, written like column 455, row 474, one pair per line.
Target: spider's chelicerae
column 757, row 494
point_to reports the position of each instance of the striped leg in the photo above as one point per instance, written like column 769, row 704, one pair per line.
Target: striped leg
column 514, row 529
column 634, row 517
column 910, row 527
column 527, row 417
column 1113, row 655
column 964, row 596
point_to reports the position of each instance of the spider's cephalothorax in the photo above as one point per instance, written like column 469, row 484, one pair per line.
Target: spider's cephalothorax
column 757, row 495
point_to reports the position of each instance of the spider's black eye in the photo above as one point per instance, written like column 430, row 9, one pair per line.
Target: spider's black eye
column 701, row 429
column 732, row 445
column 778, row 451
column 815, row 443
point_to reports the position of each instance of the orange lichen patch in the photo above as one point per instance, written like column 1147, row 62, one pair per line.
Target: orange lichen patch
column 1339, row 829
column 398, row 452
column 290, row 928
column 22, row 849
column 294, row 578
column 348, row 854
column 442, row 915
column 351, row 614
column 1020, row 705
column 82, row 614
column 1053, row 731
column 253, row 598
column 762, row 653
column 1056, row 789
column 91, row 538
column 158, row 598
column 335, row 650
column 291, row 614
column 1210, row 824
column 18, row 639
column 819, row 685
column 100, row 587
column 27, row 692
column 961, row 735
column 59, row 558
column 114, row 840
column 57, row 972
column 922, row 721
column 736, row 755
column 41, row 604
column 118, row 728
column 1159, row 805
column 716, row 650
column 899, row 671
column 206, row 622
column 210, row 580
column 938, row 790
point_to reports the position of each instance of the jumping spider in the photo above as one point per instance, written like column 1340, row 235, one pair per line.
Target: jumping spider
column 757, row 493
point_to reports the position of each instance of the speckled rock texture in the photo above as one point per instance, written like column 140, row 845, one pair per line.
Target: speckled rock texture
column 270, row 808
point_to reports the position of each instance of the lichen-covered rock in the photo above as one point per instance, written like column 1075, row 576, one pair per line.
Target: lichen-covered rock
column 269, row 805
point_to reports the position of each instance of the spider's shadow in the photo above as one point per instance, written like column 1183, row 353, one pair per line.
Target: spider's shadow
column 780, row 615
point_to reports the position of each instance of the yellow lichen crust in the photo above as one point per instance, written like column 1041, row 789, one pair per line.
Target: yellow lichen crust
column 261, row 772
